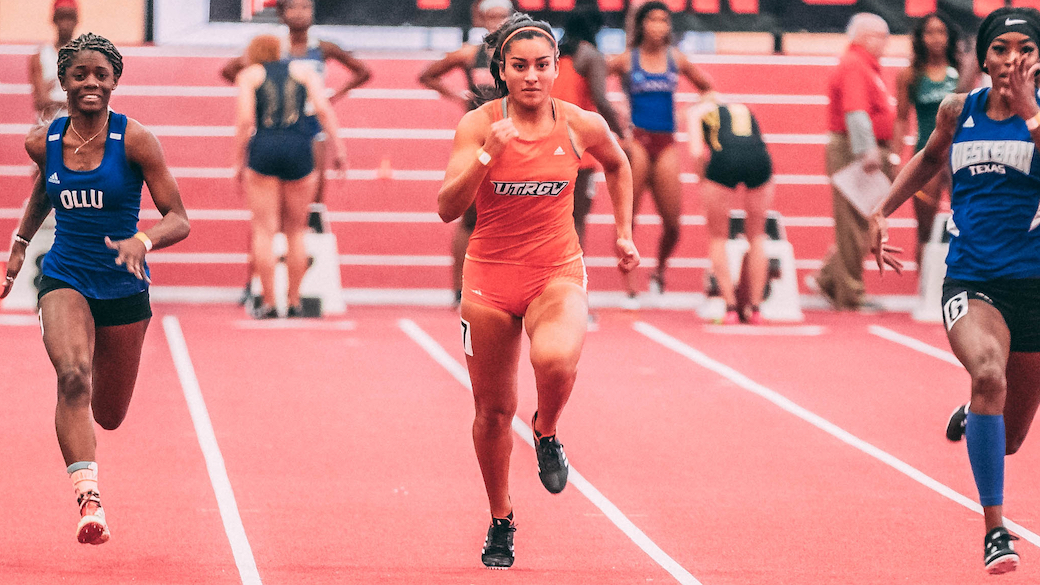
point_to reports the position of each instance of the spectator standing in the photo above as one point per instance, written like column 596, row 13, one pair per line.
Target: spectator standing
column 861, row 118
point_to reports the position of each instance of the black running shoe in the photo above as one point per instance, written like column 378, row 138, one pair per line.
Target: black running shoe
column 552, row 462
column 265, row 312
column 498, row 546
column 958, row 421
column 998, row 553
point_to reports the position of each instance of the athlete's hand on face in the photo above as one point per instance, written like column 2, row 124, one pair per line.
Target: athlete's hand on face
column 502, row 132
column 883, row 252
column 1020, row 91
column 628, row 256
column 131, row 254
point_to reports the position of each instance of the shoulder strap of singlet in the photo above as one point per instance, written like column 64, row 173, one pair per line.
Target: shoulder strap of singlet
column 560, row 112
column 53, row 149
column 117, row 124
column 57, row 127
column 970, row 103
column 673, row 66
column 635, row 59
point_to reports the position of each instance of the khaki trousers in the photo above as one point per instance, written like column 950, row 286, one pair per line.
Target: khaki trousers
column 841, row 277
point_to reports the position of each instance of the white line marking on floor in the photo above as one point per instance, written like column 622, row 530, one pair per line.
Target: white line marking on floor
column 12, row 320
column 236, row 532
column 821, row 423
column 914, row 344
column 801, row 330
column 459, row 372
column 306, row 324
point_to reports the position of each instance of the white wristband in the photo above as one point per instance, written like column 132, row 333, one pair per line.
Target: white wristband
column 1033, row 123
column 483, row 157
column 145, row 240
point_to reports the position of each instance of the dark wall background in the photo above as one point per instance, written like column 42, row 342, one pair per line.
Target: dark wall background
column 785, row 15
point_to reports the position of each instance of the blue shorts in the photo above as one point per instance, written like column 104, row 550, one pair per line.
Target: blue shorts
column 288, row 156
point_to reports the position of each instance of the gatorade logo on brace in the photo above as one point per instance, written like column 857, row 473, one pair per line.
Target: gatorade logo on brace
column 530, row 188
column 955, row 308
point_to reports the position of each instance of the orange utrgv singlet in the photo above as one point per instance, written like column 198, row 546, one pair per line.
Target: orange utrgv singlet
column 525, row 204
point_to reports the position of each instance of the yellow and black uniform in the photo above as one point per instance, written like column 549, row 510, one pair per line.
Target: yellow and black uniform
column 738, row 154
column 281, row 146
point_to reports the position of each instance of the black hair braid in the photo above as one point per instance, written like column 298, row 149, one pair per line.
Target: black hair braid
column 90, row 42
column 493, row 44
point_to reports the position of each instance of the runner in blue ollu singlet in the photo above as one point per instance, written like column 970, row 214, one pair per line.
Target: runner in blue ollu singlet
column 94, row 308
column 991, row 295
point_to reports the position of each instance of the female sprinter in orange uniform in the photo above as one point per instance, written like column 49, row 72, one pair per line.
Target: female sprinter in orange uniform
column 518, row 157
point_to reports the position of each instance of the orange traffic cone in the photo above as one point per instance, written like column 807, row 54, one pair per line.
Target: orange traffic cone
column 385, row 172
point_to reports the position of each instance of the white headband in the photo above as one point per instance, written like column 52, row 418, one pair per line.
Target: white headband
column 489, row 4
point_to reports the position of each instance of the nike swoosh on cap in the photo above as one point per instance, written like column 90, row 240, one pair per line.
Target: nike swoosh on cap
column 1013, row 21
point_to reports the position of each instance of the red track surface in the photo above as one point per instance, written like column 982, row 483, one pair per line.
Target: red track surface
column 350, row 458
column 796, row 198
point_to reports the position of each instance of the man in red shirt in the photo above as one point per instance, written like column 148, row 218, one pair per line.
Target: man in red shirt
column 861, row 116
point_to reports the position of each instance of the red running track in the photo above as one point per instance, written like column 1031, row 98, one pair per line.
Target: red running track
column 785, row 94
column 348, row 450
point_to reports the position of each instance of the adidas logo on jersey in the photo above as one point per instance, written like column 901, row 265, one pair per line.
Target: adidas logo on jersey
column 530, row 188
column 559, row 151
column 54, row 179
column 969, row 123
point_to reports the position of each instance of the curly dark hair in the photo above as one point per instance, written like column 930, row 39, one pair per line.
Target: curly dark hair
column 493, row 43
column 920, row 59
column 90, row 42
column 641, row 14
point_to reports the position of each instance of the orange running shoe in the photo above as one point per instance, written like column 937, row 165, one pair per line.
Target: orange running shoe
column 92, row 527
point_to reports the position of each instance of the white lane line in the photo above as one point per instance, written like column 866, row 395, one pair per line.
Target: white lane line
column 13, row 320
column 796, row 330
column 915, row 344
column 236, row 532
column 459, row 372
column 430, row 217
column 821, row 423
column 299, row 324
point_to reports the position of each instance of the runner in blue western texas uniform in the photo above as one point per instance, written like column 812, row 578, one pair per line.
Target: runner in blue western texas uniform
column 991, row 295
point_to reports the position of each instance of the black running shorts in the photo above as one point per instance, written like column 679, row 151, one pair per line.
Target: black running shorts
column 106, row 312
column 1017, row 299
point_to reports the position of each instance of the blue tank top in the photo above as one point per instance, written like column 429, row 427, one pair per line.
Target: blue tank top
column 650, row 95
column 995, row 228
column 89, row 205
column 313, row 57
